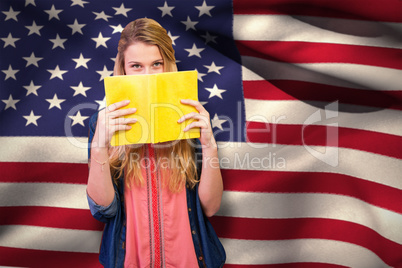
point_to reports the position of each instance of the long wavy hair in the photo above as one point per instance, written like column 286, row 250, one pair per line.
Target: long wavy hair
column 175, row 160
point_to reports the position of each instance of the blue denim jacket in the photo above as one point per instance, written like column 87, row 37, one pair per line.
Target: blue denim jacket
column 209, row 251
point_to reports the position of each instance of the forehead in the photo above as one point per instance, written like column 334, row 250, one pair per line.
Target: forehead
column 141, row 52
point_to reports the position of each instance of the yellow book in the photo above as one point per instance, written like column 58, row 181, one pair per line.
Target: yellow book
column 157, row 99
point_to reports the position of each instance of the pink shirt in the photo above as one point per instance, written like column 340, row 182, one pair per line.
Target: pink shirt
column 158, row 227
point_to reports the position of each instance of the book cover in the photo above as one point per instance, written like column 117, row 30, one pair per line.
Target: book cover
column 157, row 99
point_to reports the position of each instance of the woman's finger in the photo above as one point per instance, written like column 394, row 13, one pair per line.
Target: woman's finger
column 196, row 104
column 115, row 128
column 122, row 121
column 192, row 115
column 113, row 107
column 194, row 124
column 121, row 112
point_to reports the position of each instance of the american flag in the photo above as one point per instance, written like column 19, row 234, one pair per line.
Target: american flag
column 305, row 98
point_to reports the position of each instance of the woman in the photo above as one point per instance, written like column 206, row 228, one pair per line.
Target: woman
column 153, row 200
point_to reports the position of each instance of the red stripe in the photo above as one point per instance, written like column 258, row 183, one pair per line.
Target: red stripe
column 308, row 228
column 309, row 91
column 363, row 140
column 287, row 265
column 155, row 210
column 389, row 11
column 313, row 182
column 50, row 217
column 44, row 172
column 307, row 52
column 43, row 258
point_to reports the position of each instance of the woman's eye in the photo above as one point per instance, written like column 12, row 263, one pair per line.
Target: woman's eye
column 158, row 64
column 136, row 66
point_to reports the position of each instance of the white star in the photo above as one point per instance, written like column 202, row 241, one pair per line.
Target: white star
column 78, row 3
column 189, row 24
column 53, row 13
column 10, row 73
column 78, row 119
column 34, row 28
column 215, row 91
column 31, row 118
column 166, row 10
column 101, row 103
column 213, row 68
column 101, row 15
column 32, row 60
column 122, row 10
column 10, row 103
column 31, row 89
column 204, row 9
column 81, row 61
column 80, row 89
column 56, row 73
column 194, row 51
column 216, row 122
column 200, row 75
column 209, row 38
column 32, row 2
column 117, row 29
column 11, row 14
column 55, row 102
column 58, row 42
column 100, row 40
column 76, row 27
column 10, row 41
column 104, row 73
column 173, row 38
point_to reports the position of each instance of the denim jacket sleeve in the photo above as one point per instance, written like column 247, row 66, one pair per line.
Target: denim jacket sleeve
column 101, row 213
column 209, row 250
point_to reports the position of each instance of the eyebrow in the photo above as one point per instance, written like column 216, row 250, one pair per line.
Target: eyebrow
column 137, row 62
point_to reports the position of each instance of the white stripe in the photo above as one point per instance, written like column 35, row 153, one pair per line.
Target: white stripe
column 328, row 206
column 296, row 112
column 316, row 29
column 336, row 74
column 256, row 252
column 44, row 149
column 59, row 195
column 368, row 166
column 297, row 158
column 55, row 239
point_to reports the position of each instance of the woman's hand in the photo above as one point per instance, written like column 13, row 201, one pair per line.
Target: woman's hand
column 211, row 186
column 201, row 120
column 110, row 120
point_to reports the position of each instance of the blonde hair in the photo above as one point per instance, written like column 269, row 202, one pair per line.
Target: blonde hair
column 179, row 165
column 149, row 32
